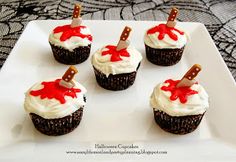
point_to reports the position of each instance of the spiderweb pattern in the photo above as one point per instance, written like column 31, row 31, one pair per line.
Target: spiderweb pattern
column 219, row 17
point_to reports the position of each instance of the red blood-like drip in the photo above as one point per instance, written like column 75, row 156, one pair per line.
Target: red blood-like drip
column 54, row 90
column 68, row 32
column 182, row 92
column 115, row 55
column 163, row 29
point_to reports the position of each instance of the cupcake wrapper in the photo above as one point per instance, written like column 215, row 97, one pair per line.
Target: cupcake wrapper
column 56, row 127
column 115, row 82
column 177, row 125
column 79, row 54
column 164, row 57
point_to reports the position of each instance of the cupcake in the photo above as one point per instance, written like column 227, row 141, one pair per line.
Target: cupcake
column 179, row 105
column 164, row 43
column 115, row 67
column 55, row 106
column 71, row 43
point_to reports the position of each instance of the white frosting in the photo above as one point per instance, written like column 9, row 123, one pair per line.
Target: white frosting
column 152, row 41
column 71, row 43
column 52, row 108
column 126, row 65
column 196, row 104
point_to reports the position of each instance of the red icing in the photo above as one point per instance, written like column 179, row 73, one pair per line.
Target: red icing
column 68, row 32
column 115, row 55
column 54, row 90
column 163, row 29
column 182, row 92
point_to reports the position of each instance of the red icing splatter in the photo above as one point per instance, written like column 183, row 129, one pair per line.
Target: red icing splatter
column 68, row 32
column 163, row 30
column 54, row 90
column 115, row 55
column 182, row 92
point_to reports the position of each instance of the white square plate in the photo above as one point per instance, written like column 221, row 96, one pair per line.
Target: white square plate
column 113, row 118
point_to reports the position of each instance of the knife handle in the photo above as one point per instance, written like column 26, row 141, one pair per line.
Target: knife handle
column 193, row 72
column 77, row 10
column 125, row 34
column 69, row 74
column 173, row 14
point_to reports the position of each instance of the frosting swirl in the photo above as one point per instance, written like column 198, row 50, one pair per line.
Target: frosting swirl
column 53, row 108
column 157, row 38
column 196, row 103
column 127, row 64
column 72, row 42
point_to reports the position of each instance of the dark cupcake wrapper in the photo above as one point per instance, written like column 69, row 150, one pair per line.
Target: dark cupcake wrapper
column 56, row 127
column 78, row 55
column 177, row 124
column 59, row 126
column 115, row 82
column 164, row 57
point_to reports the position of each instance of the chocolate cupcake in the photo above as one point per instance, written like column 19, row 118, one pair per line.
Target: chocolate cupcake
column 71, row 43
column 179, row 105
column 115, row 67
column 164, row 43
column 56, row 106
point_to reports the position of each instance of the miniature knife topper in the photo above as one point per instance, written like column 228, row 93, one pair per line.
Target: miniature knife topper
column 59, row 88
column 66, row 80
column 76, row 19
column 74, row 29
column 188, row 78
column 168, row 28
column 171, row 19
column 123, row 42
column 182, row 88
column 120, row 50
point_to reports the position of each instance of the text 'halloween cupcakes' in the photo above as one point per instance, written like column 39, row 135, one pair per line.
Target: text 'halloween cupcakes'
column 179, row 105
column 164, row 43
column 71, row 43
column 56, row 106
column 115, row 67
